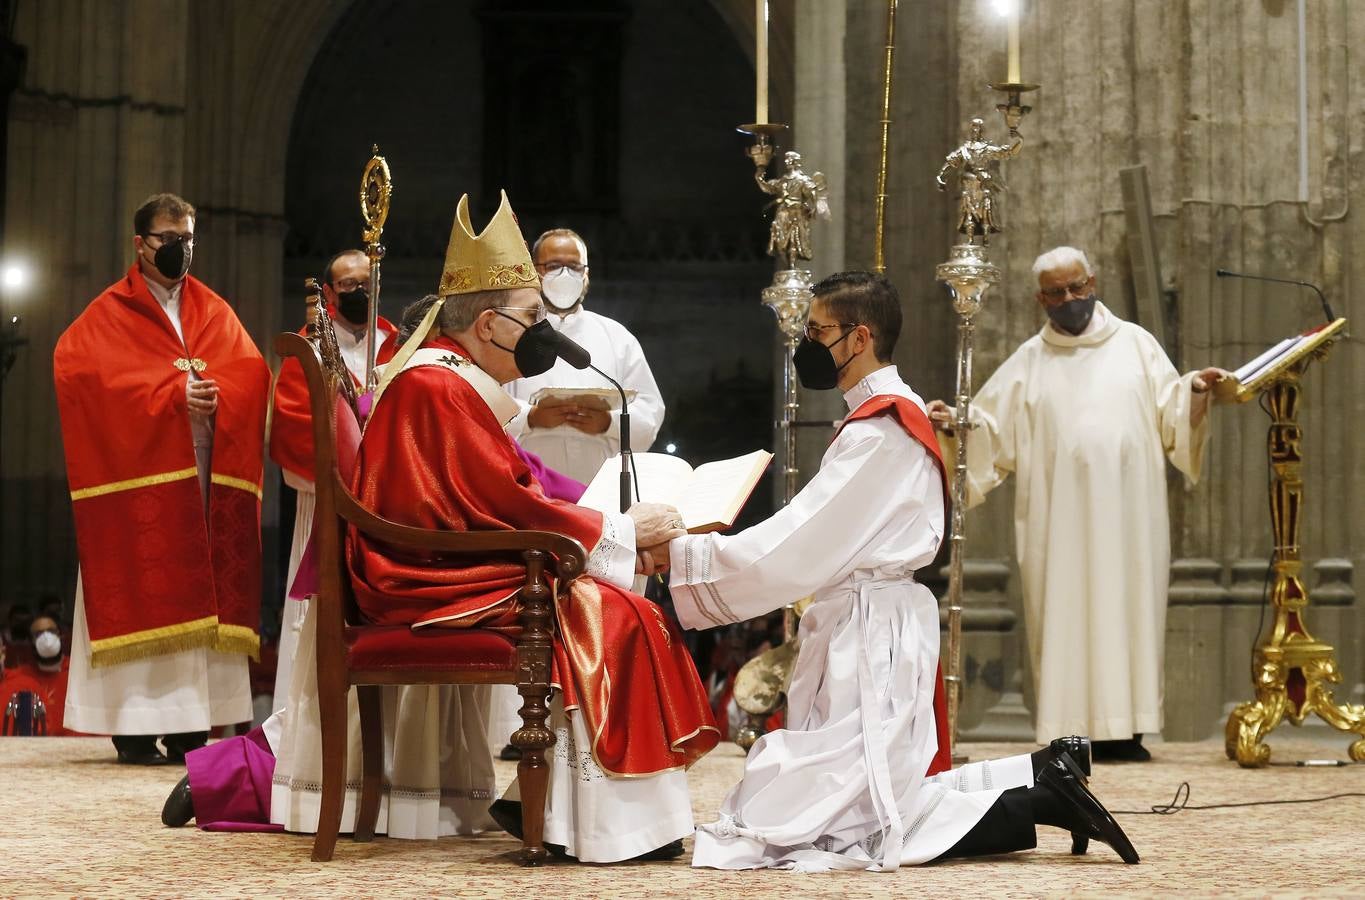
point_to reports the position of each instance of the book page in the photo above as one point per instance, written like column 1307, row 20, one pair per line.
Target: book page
column 589, row 397
column 1255, row 365
column 662, row 477
column 718, row 490
column 1290, row 346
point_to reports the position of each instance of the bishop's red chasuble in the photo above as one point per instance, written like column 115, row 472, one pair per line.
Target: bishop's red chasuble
column 435, row 456
column 917, row 425
column 291, row 421
column 162, row 573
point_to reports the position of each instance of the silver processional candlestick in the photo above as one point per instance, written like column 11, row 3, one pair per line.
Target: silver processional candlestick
column 798, row 196
column 969, row 274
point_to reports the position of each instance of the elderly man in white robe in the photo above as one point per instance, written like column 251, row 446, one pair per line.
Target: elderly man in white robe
column 1086, row 411
column 844, row 785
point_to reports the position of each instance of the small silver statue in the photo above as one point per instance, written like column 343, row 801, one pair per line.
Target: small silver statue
column 976, row 185
column 800, row 197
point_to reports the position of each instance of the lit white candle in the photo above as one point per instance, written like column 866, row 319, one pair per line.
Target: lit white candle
column 1014, row 43
column 761, row 60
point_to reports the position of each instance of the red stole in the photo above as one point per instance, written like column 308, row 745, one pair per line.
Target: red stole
column 435, row 456
column 916, row 424
column 162, row 574
column 291, row 421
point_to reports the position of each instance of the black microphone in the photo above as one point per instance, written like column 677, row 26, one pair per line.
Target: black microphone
column 572, row 352
column 1326, row 307
column 625, row 427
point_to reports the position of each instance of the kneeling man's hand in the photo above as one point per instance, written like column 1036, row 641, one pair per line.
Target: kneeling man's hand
column 652, row 560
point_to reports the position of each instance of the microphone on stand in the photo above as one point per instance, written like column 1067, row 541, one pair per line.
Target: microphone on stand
column 575, row 355
column 1326, row 307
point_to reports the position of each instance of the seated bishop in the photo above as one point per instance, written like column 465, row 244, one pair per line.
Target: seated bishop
column 629, row 712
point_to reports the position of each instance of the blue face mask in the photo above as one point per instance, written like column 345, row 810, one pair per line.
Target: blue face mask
column 1074, row 315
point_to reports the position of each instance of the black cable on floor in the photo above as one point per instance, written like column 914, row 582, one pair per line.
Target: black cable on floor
column 1181, row 800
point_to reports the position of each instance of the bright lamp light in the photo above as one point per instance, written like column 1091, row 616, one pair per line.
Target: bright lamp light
column 13, row 277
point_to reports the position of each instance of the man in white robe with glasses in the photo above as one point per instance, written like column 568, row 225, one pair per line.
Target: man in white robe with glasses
column 844, row 785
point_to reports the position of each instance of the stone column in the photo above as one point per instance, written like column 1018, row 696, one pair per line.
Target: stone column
column 95, row 128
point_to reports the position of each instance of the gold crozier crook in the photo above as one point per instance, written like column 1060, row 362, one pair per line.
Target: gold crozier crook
column 376, row 188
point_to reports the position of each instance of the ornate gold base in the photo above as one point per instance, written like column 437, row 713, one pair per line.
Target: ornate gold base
column 1305, row 667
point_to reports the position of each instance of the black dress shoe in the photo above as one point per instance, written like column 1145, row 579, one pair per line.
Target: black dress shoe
column 1075, row 746
column 142, row 757
column 507, row 813
column 179, row 808
column 1085, row 817
column 671, row 850
column 177, row 745
column 1129, row 750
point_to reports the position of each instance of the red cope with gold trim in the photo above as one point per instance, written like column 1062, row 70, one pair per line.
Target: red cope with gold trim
column 159, row 573
column 916, row 424
column 291, row 422
column 435, row 456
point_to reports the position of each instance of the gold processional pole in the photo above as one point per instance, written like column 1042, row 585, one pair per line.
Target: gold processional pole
column 376, row 189
column 879, row 238
column 1290, row 668
column 969, row 274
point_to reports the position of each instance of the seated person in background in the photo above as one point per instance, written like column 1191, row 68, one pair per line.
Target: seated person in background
column 44, row 676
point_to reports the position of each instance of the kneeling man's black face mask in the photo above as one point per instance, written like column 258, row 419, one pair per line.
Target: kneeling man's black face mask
column 815, row 366
column 1074, row 315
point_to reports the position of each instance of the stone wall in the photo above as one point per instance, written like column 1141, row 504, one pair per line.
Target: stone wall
column 1205, row 94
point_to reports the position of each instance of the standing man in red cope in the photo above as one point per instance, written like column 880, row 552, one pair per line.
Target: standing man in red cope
column 162, row 399
column 346, row 289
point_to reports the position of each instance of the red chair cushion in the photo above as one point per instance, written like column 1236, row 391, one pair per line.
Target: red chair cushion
column 398, row 647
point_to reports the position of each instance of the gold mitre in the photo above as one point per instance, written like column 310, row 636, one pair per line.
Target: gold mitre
column 496, row 260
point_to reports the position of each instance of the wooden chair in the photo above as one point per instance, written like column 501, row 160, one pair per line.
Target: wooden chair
column 352, row 653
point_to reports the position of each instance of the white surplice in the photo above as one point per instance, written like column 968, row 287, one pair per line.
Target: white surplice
column 171, row 693
column 1087, row 423
column 615, row 351
column 352, row 347
column 843, row 786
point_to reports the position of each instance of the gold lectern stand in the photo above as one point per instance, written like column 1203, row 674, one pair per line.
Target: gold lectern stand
column 1290, row 669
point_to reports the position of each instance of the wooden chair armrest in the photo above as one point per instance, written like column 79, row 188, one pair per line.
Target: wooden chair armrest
column 569, row 555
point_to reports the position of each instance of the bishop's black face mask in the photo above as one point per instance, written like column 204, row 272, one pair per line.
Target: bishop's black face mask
column 1073, row 315
column 815, row 367
column 354, row 306
column 536, row 350
column 173, row 260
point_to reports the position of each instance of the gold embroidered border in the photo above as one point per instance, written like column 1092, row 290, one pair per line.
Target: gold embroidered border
column 458, row 280
column 240, row 483
column 238, row 639
column 153, row 642
column 130, row 484
column 503, row 276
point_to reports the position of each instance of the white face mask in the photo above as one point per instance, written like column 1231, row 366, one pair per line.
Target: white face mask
column 48, row 645
column 562, row 288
